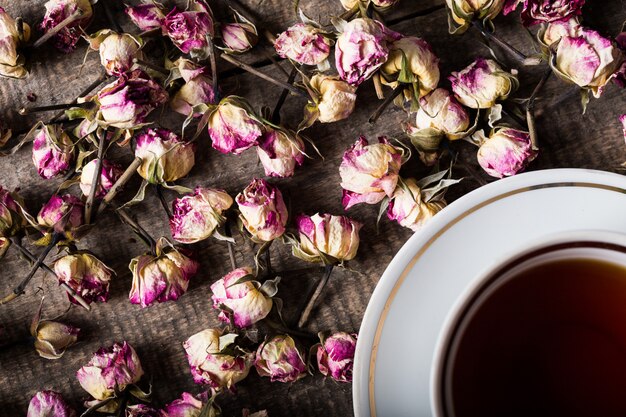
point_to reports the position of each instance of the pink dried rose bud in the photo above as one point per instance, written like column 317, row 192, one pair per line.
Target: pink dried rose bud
column 53, row 151
column 326, row 238
column 239, row 37
column 164, row 277
column 196, row 216
column 335, row 356
column 361, row 49
column 262, row 210
column 506, row 152
column 369, row 172
column 59, row 10
column 465, row 11
column 440, row 112
column 142, row 410
column 304, row 44
column 545, row 11
column 335, row 100
column 11, row 62
column 215, row 360
column 280, row 359
column 165, row 157
column 12, row 220
column 198, row 87
column 127, row 102
column 85, row 274
column 553, row 32
column 49, row 404
column 62, row 213
column 117, row 51
column 233, row 126
column 52, row 338
column 409, row 208
column 190, row 29
column 245, row 301
column 189, row 405
column 412, row 55
column 482, row 83
column 109, row 175
column 109, row 371
column 280, row 151
column 148, row 16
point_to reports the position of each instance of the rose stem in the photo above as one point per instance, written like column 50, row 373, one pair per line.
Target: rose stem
column 283, row 96
column 121, row 408
column 378, row 87
column 136, row 227
column 86, row 91
column 304, row 316
column 130, row 171
column 49, row 270
column 151, row 66
column 28, row 110
column 97, row 406
column 159, row 192
column 19, row 23
column 231, row 246
column 49, row 34
column 504, row 45
column 95, row 181
column 19, row 290
column 266, row 77
column 213, row 64
column 530, row 109
column 395, row 93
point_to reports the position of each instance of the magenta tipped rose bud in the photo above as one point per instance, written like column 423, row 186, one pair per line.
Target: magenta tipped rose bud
column 233, row 127
column 441, row 112
column 198, row 88
column 362, row 47
column 189, row 30
column 304, row 44
column 335, row 356
column 196, row 216
column 545, row 11
column 280, row 151
column 62, row 213
column 280, row 359
column 336, row 98
column 553, row 32
column 369, row 172
column 244, row 300
column 239, row 37
column 188, row 405
column 262, row 210
column 408, row 207
column 126, row 102
column 465, row 11
column 506, row 152
column 52, row 338
column 53, row 151
column 164, row 156
column 326, row 238
column 85, row 274
column 117, row 51
column 11, row 62
column 164, row 277
column 482, row 83
column 11, row 218
column 215, row 360
column 109, row 175
column 49, row 404
column 147, row 16
column 59, row 10
column 109, row 371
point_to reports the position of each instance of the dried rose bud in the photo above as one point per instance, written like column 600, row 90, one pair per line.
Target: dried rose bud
column 164, row 277
column 280, row 359
column 126, row 102
column 11, row 62
column 12, row 220
column 335, row 356
column 545, row 11
column 164, row 156
column 233, row 127
column 362, row 47
column 53, row 337
column 189, row 30
column 239, row 37
column 482, row 83
column 506, row 152
column 85, row 274
column 53, row 151
column 49, row 404
column 304, row 44
column 369, row 172
column 244, row 300
column 62, row 213
column 326, row 238
column 262, row 210
column 588, row 60
column 407, row 206
column 59, row 10
column 215, row 360
column 189, row 405
column 109, row 175
column 147, row 16
column 553, row 32
column 441, row 112
column 196, row 216
column 117, row 51
column 383, row 5
column 349, row 4
column 465, row 11
column 198, row 87
column 280, row 151
column 109, row 371
column 336, row 98
column 412, row 55
column 142, row 410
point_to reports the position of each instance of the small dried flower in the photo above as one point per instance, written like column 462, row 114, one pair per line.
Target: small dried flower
column 280, row 151
column 198, row 87
column 11, row 62
column 109, row 175
column 280, row 359
column 465, row 11
column 147, row 16
column 233, row 127
column 335, row 356
column 53, row 151
column 506, row 152
column 190, row 30
column 117, row 51
column 11, row 218
column 409, row 208
column 545, row 11
column 263, row 211
column 326, row 238
column 49, row 404
column 53, row 337
column 336, row 98
column 59, row 10
column 189, row 405
column 553, row 32
column 85, row 274
column 304, row 44
column 441, row 112
column 239, row 37
column 482, row 83
column 164, row 156
column 62, row 213
column 196, row 216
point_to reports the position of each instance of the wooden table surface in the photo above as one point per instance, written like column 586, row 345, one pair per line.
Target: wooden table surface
column 567, row 138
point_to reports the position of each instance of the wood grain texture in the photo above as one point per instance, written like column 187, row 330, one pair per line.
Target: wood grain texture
column 568, row 139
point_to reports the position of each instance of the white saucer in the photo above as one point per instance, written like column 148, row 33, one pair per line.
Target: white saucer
column 403, row 321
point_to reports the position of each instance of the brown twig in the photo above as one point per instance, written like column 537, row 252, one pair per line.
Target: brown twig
column 101, row 78
column 311, row 303
column 504, row 45
column 95, row 181
column 231, row 246
column 275, row 117
column 141, row 232
column 213, row 63
column 52, row 32
column 530, row 109
column 151, row 66
column 159, row 191
column 36, row 109
column 119, row 184
column 395, row 93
